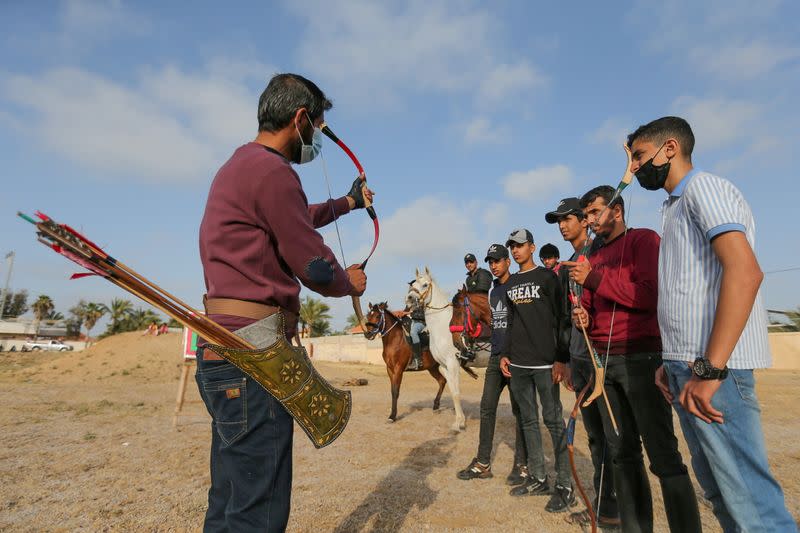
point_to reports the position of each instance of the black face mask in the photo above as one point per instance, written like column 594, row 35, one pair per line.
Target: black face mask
column 652, row 177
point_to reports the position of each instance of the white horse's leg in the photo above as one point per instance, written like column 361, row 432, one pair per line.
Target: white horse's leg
column 454, row 386
column 461, row 422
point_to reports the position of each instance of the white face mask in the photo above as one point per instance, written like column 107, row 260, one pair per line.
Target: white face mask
column 309, row 151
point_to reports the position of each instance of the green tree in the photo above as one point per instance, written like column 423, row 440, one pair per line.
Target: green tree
column 139, row 319
column 41, row 308
column 92, row 312
column 352, row 321
column 53, row 316
column 16, row 304
column 88, row 314
column 120, row 310
column 315, row 315
column 73, row 325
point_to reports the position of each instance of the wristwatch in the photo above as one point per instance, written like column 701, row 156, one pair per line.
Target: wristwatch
column 703, row 369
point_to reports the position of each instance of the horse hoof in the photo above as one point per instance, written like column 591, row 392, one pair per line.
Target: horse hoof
column 391, row 419
column 435, row 407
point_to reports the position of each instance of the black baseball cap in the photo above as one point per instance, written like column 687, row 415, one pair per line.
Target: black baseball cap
column 496, row 252
column 549, row 250
column 469, row 258
column 567, row 206
column 520, row 236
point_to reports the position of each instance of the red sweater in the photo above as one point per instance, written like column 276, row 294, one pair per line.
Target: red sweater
column 258, row 236
column 625, row 272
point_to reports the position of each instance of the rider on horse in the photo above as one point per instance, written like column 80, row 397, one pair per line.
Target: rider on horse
column 417, row 315
column 478, row 279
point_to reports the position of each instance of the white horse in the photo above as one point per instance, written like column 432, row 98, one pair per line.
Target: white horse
column 438, row 311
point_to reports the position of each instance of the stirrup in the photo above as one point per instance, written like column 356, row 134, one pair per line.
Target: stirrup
column 466, row 355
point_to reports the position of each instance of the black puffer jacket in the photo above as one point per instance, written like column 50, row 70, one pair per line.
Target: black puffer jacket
column 479, row 281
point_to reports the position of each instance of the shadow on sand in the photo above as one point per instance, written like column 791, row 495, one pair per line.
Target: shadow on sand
column 387, row 506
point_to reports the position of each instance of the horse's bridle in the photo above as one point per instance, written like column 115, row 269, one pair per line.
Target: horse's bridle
column 378, row 328
column 422, row 295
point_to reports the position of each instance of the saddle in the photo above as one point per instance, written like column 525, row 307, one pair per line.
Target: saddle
column 424, row 337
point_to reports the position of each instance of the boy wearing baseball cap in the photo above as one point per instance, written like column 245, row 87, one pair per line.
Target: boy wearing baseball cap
column 495, row 381
column 535, row 365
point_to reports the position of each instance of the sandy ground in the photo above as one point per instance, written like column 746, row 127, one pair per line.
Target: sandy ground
column 87, row 443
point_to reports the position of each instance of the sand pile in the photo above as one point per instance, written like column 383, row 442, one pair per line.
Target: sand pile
column 127, row 356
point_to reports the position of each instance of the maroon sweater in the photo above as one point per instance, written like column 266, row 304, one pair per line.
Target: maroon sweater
column 625, row 272
column 258, row 235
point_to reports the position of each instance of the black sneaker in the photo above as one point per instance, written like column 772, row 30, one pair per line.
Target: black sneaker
column 518, row 475
column 475, row 470
column 531, row 486
column 562, row 499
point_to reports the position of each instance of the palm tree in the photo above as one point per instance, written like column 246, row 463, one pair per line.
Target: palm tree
column 118, row 311
column 92, row 312
column 315, row 314
column 140, row 319
column 41, row 308
column 54, row 316
column 352, row 321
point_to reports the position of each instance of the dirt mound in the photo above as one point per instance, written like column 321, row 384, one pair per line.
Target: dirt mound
column 124, row 356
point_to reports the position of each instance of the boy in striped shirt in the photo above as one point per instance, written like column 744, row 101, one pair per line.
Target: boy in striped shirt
column 713, row 327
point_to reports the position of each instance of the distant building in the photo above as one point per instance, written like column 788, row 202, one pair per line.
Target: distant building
column 20, row 328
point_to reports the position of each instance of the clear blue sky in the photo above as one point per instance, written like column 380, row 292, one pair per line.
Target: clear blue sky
column 470, row 121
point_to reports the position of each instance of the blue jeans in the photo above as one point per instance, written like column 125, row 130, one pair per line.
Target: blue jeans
column 730, row 459
column 251, row 451
column 415, row 329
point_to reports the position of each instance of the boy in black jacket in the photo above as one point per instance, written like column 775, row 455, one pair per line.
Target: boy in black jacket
column 535, row 362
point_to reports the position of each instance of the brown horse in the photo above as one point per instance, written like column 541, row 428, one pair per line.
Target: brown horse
column 472, row 319
column 397, row 352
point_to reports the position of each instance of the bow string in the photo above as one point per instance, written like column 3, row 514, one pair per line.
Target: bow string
column 370, row 211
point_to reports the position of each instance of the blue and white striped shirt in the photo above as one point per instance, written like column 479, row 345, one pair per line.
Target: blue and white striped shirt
column 701, row 207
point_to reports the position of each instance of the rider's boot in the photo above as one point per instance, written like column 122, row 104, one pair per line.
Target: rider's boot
column 416, row 357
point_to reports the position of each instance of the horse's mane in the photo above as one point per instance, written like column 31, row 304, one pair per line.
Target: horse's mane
column 385, row 306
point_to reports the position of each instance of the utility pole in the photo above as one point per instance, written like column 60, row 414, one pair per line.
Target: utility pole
column 10, row 259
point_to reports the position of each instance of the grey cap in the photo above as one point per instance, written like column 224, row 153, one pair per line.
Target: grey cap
column 520, row 236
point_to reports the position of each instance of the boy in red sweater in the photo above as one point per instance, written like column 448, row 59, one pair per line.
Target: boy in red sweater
column 619, row 310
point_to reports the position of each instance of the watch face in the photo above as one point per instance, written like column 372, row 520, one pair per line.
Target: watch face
column 700, row 367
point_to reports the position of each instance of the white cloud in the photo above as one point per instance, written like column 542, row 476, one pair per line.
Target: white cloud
column 742, row 61
column 481, row 131
column 167, row 125
column 85, row 23
column 719, row 122
column 722, row 39
column 533, row 184
column 378, row 51
column 430, row 227
column 504, row 79
column 496, row 218
column 612, row 132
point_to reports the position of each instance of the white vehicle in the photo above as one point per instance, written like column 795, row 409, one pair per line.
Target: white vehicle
column 47, row 346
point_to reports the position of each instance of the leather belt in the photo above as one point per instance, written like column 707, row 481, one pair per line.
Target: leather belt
column 245, row 309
